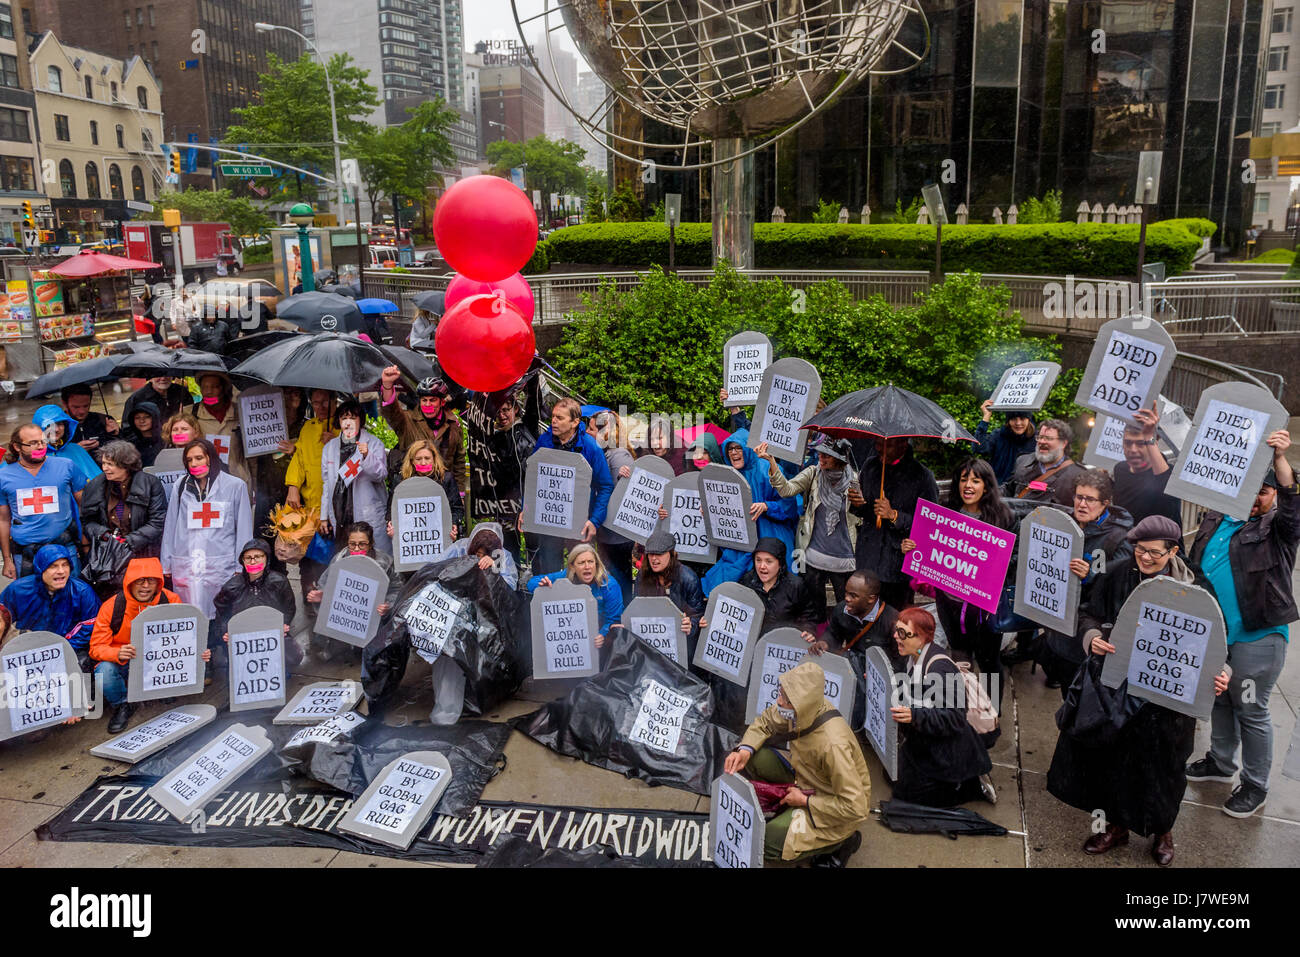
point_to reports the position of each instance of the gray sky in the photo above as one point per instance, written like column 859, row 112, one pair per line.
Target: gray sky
column 493, row 20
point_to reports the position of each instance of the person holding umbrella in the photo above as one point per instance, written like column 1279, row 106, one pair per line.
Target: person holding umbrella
column 430, row 306
column 144, row 431
column 212, row 334
column 164, row 392
column 93, row 428
column 60, row 430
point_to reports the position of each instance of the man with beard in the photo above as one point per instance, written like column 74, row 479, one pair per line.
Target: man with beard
column 1141, row 478
column 38, row 499
column 434, row 422
column 1048, row 473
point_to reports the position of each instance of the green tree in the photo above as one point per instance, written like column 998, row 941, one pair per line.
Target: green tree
column 402, row 161
column 551, row 166
column 905, row 216
column 594, row 205
column 246, row 218
column 624, row 207
column 827, row 212
column 290, row 118
column 1045, row 210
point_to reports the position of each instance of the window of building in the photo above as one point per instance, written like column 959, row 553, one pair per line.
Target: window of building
column 130, row 49
column 17, row 173
column 139, row 16
column 151, row 14
column 54, row 79
column 1282, row 21
column 94, row 133
column 6, row 21
column 153, row 46
column 8, row 70
column 137, row 176
column 67, row 178
column 142, row 97
column 92, row 180
column 128, row 18
column 146, row 139
column 90, row 88
column 115, row 182
column 1270, row 129
column 1261, row 204
column 1277, row 57
column 112, row 91
column 14, row 126
column 121, row 137
column 61, row 129
column 1273, row 96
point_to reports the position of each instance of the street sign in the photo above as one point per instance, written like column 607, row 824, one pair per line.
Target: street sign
column 350, row 172
column 29, row 237
column 139, row 206
column 247, row 169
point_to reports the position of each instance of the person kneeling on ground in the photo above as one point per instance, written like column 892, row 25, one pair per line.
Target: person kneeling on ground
column 50, row 600
column 830, row 793
column 110, row 642
column 257, row 584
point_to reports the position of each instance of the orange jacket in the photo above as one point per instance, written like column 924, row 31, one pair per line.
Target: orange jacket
column 104, row 641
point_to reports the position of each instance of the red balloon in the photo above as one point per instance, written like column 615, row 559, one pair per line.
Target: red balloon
column 515, row 288
column 485, row 228
column 484, row 343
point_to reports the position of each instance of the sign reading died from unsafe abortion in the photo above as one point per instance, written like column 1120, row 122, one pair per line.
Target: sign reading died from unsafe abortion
column 421, row 522
column 965, row 557
column 1024, row 388
column 400, row 799
column 786, row 400
column 1047, row 592
column 262, row 420
column 1106, row 443
column 634, row 506
column 736, row 823
column 745, row 358
column 565, row 624
column 1223, row 464
column 431, row 616
column 39, row 670
column 168, row 640
column 557, row 493
column 657, row 622
column 686, row 520
column 881, row 728
column 350, row 598
column 256, row 650
column 659, row 718
column 185, row 790
column 727, row 499
column 156, row 733
column 1127, row 367
column 1170, row 642
column 734, row 618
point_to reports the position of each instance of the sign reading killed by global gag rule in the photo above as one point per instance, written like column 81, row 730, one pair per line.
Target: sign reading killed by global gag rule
column 745, row 358
column 881, row 728
column 1127, row 367
column 726, row 499
column 1170, row 643
column 634, row 505
column 565, row 624
column 258, row 677
column 1223, row 464
column 421, row 523
column 557, row 493
column 400, row 799
column 1106, row 443
column 262, row 420
column 659, row 718
column 185, row 790
column 431, row 615
column 157, row 733
column 960, row 554
column 776, row 653
column 734, row 619
column 354, row 589
column 1024, row 387
column 736, row 823
column 787, row 399
column 657, row 622
column 169, row 642
column 42, row 684
column 169, row 468
column 686, row 520
column 840, row 686
column 1047, row 592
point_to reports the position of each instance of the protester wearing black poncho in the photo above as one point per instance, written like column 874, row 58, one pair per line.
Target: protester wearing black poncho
column 256, row 583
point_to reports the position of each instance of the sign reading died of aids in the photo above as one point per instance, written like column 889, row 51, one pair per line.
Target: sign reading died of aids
column 1128, row 365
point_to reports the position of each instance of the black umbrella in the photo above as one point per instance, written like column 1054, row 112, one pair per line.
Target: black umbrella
column 431, row 300
column 324, row 360
column 321, row 312
column 324, row 276
column 246, row 346
column 342, row 289
column 416, row 366
column 177, row 363
column 89, row 372
column 907, row 818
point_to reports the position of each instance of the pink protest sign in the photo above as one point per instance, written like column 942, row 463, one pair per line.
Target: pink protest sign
column 965, row 557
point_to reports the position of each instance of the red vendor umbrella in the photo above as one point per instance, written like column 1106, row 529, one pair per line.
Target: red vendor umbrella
column 95, row 264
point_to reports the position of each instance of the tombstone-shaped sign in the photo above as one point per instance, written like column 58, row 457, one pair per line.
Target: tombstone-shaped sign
column 736, row 823
column 787, row 399
column 881, row 728
column 841, row 685
column 262, row 422
column 1175, row 427
column 775, row 653
column 421, row 523
column 256, row 653
column 686, row 520
column 634, row 505
column 566, row 621
column 432, row 614
column 327, row 731
column 745, row 358
column 320, row 701
column 169, row 466
column 657, row 622
column 1170, row 642
column 1128, row 365
column 220, row 764
column 659, row 719
column 354, row 589
column 557, row 493
column 42, row 684
column 1223, row 463
column 157, row 733
column 726, row 499
column 734, row 617
column 1047, row 592
column 1105, row 447
column 1024, row 388
column 400, row 799
column 168, row 640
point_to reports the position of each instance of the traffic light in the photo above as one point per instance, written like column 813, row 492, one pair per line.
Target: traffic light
column 29, row 218
column 176, row 161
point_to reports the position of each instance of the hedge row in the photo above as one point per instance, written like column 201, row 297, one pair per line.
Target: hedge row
column 540, row 261
column 1091, row 249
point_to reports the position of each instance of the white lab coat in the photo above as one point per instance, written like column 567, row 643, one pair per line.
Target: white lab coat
column 369, row 495
column 201, row 560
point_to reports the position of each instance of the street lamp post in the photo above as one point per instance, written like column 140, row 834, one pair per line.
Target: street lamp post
column 302, row 215
column 334, row 119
